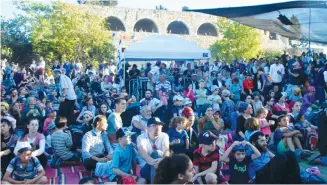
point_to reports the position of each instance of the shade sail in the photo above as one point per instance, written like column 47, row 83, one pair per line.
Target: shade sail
column 308, row 19
column 161, row 47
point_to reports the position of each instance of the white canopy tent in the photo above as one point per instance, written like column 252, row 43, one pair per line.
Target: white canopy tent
column 168, row 47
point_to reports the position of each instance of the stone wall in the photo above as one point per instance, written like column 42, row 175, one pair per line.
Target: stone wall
column 163, row 18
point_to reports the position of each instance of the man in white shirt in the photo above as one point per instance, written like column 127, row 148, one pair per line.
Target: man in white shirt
column 153, row 146
column 67, row 96
column 154, row 76
column 153, row 103
column 276, row 72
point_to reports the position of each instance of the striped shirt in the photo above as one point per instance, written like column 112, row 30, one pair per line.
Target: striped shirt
column 61, row 143
column 166, row 86
column 95, row 144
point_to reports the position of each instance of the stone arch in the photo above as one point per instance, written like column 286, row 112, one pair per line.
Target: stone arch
column 115, row 24
column 207, row 29
column 178, row 27
column 145, row 25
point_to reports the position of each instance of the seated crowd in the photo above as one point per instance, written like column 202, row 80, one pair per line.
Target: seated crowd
column 254, row 119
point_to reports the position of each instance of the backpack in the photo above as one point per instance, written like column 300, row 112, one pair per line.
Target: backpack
column 311, row 140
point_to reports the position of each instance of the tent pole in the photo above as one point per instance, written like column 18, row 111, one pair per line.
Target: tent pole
column 124, row 77
column 310, row 28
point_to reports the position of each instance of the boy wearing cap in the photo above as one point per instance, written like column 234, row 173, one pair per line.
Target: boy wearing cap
column 24, row 169
column 206, row 157
column 124, row 158
column 239, row 162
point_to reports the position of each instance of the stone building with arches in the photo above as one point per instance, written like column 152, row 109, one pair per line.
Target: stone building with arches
column 131, row 25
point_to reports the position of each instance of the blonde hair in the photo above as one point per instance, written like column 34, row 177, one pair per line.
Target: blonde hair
column 252, row 124
column 179, row 119
column 261, row 110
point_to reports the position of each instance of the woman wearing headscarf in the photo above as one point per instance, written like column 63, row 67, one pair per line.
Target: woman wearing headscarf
column 246, row 110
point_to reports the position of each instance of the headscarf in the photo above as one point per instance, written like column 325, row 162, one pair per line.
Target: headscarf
column 187, row 112
column 243, row 106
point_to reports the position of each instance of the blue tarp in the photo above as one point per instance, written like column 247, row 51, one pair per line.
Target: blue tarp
column 308, row 18
column 168, row 47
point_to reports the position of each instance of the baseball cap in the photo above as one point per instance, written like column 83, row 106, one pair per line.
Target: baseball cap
column 123, row 132
column 22, row 147
column 206, row 138
column 239, row 148
column 155, row 121
column 187, row 101
column 178, row 98
column 88, row 113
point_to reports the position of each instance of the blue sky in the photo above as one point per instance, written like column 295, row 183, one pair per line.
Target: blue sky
column 8, row 9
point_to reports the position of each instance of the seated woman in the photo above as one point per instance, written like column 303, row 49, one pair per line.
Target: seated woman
column 36, row 140
column 281, row 107
column 8, row 143
column 177, row 169
column 209, row 122
column 89, row 107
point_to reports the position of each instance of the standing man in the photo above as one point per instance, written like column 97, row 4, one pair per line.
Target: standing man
column 276, row 72
column 153, row 76
column 67, row 96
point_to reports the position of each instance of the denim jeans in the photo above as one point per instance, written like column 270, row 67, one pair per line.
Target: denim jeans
column 148, row 171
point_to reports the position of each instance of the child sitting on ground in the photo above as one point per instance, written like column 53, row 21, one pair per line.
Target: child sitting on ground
column 178, row 138
column 24, row 169
column 239, row 162
column 287, row 139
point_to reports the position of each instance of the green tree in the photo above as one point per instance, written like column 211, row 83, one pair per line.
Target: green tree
column 64, row 31
column 15, row 43
column 238, row 41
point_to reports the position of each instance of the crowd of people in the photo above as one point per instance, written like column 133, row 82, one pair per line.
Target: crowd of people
column 255, row 118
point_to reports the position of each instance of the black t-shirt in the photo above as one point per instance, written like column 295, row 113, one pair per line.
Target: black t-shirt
column 240, row 124
column 239, row 171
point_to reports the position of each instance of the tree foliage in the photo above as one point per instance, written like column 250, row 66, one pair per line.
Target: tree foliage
column 238, row 41
column 15, row 43
column 70, row 33
column 58, row 31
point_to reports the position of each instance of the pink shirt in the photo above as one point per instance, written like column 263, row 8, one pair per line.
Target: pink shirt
column 265, row 130
column 47, row 122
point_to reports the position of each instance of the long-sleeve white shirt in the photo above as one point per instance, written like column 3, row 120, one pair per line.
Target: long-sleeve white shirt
column 276, row 78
